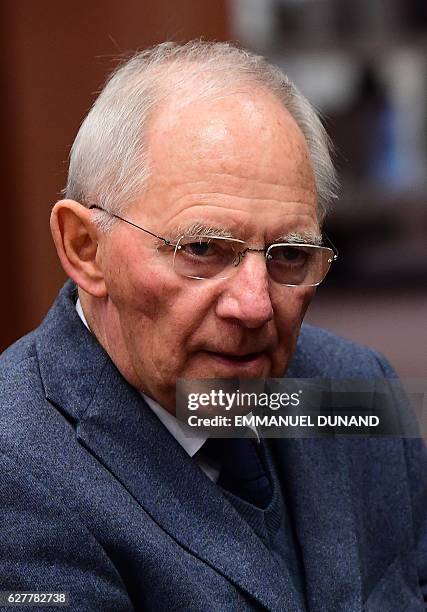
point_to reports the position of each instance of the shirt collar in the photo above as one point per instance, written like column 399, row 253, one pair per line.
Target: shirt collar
column 190, row 440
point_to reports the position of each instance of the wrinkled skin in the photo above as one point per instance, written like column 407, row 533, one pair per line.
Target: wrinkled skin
column 238, row 163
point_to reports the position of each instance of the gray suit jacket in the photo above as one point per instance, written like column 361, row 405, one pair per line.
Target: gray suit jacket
column 99, row 500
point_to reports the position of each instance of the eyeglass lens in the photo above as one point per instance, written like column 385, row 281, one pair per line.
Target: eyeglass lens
column 210, row 258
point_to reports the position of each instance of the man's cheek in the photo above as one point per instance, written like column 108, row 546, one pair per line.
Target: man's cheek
column 307, row 295
column 290, row 311
column 143, row 302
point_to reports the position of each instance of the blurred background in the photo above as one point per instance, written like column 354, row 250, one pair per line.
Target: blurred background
column 363, row 63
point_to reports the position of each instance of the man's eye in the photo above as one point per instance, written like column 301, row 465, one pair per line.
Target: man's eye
column 198, row 249
column 292, row 255
column 207, row 248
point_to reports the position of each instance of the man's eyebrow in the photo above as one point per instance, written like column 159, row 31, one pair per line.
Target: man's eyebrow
column 201, row 229
column 301, row 238
column 198, row 229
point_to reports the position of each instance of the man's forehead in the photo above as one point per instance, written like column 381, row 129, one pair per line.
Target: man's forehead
column 229, row 128
column 265, row 224
column 235, row 163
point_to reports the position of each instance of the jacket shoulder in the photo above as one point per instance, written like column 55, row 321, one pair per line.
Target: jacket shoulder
column 320, row 353
column 20, row 350
column 18, row 362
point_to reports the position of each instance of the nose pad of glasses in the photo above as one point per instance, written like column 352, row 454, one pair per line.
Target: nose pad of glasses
column 237, row 258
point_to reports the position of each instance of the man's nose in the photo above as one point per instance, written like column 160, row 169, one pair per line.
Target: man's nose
column 246, row 295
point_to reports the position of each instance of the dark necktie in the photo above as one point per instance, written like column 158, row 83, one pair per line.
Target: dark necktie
column 242, row 468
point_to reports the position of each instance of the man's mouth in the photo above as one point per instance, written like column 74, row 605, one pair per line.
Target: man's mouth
column 254, row 363
column 245, row 358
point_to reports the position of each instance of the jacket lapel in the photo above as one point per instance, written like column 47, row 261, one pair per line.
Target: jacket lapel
column 317, row 491
column 317, row 480
column 114, row 423
column 123, row 433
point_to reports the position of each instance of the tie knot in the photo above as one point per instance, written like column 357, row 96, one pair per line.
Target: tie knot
column 242, row 468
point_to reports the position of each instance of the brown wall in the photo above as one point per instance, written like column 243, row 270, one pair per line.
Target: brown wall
column 55, row 57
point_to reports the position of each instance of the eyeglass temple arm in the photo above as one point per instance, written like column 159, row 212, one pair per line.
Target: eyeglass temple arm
column 334, row 248
column 165, row 240
column 169, row 243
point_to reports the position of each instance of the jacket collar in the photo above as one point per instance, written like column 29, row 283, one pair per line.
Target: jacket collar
column 71, row 360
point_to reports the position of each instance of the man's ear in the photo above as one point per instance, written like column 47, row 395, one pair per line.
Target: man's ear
column 76, row 240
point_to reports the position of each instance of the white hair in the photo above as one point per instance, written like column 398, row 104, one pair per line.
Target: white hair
column 109, row 163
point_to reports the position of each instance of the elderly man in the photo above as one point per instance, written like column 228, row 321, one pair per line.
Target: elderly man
column 191, row 230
